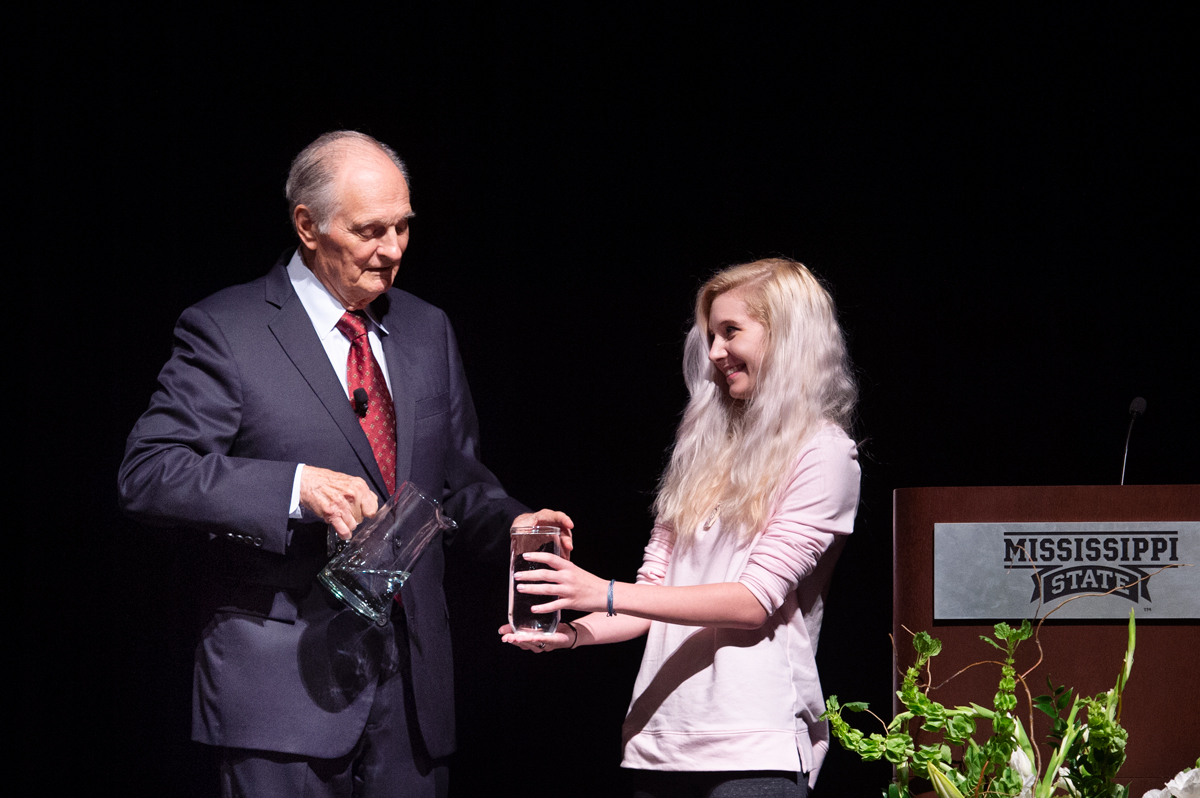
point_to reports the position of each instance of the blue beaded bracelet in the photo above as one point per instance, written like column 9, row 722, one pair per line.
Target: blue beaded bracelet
column 611, row 611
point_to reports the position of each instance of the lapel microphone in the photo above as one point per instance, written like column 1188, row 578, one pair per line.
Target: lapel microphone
column 361, row 401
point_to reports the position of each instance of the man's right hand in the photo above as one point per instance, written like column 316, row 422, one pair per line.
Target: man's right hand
column 339, row 499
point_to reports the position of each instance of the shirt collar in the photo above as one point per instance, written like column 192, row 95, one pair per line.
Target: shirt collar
column 323, row 308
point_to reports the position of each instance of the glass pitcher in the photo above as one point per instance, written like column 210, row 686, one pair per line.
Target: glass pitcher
column 371, row 568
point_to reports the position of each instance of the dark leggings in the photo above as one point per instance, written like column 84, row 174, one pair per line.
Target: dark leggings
column 717, row 784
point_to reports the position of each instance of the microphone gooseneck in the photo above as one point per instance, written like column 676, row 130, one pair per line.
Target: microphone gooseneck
column 1136, row 408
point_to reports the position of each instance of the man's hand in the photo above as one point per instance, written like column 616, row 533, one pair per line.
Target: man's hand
column 339, row 499
column 550, row 518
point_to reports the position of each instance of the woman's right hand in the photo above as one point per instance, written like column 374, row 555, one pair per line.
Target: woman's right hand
column 539, row 643
column 568, row 586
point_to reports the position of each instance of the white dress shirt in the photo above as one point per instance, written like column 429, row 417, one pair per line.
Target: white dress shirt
column 324, row 311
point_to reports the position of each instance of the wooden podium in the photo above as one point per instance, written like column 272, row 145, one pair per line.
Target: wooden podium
column 1161, row 708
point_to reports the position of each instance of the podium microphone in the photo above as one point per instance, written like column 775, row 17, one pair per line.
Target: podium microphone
column 1136, row 408
column 360, row 407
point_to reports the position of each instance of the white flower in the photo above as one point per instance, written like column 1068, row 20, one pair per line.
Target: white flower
column 1186, row 784
column 1020, row 763
column 1066, row 782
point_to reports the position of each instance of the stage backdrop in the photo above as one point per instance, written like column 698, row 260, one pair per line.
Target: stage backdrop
column 999, row 203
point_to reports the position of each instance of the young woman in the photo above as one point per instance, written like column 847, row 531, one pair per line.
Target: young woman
column 752, row 511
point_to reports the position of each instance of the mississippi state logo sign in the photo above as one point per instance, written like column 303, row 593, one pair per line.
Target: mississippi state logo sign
column 1091, row 570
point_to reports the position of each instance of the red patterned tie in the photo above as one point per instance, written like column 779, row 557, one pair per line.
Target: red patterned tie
column 363, row 371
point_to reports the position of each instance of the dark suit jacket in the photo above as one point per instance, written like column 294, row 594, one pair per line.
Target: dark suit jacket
column 246, row 395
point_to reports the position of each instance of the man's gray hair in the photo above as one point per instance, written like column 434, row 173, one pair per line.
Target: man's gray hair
column 313, row 174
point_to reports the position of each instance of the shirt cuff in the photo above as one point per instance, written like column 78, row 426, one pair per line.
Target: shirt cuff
column 294, row 510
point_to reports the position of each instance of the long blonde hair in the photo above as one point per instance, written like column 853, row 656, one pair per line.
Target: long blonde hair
column 737, row 453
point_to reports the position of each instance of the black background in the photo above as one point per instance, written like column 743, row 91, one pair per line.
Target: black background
column 1001, row 202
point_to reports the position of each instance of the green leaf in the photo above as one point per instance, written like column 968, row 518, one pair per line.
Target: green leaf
column 926, row 645
column 983, row 712
column 1128, row 653
column 856, row 706
column 1046, row 704
column 991, row 642
column 897, row 748
column 959, row 727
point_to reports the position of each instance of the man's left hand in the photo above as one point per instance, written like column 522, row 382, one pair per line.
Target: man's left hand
column 550, row 518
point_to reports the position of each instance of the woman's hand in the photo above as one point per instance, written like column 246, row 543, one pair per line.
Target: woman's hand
column 575, row 588
column 538, row 643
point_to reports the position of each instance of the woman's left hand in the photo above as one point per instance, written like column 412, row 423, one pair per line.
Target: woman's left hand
column 538, row 643
column 575, row 588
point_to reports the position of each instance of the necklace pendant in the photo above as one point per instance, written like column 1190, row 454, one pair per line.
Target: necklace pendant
column 712, row 517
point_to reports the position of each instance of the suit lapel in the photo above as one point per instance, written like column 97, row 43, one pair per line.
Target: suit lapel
column 294, row 331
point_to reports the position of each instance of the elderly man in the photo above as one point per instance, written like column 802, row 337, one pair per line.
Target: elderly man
column 289, row 406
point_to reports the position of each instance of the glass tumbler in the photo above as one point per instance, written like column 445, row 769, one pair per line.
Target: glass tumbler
column 526, row 539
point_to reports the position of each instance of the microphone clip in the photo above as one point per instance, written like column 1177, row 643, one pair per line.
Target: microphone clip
column 361, row 402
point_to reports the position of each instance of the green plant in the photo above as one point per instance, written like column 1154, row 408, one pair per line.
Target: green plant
column 1089, row 755
column 1089, row 741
